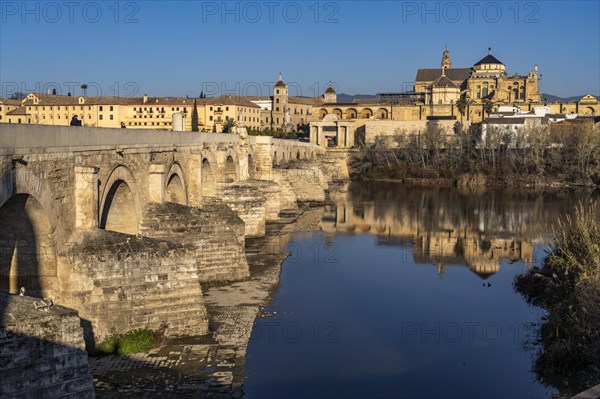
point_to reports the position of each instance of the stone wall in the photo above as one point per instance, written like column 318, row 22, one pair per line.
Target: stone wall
column 385, row 129
column 249, row 203
column 42, row 353
column 216, row 233
column 125, row 283
column 306, row 179
column 334, row 164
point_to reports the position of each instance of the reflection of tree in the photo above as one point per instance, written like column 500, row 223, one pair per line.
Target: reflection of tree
column 459, row 249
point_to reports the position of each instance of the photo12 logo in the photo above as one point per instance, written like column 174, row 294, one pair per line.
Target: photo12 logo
column 53, row 12
column 254, row 12
column 470, row 12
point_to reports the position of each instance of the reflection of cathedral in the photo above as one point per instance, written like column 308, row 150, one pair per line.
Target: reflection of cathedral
column 443, row 232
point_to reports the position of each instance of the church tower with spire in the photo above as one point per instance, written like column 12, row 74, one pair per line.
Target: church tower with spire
column 446, row 63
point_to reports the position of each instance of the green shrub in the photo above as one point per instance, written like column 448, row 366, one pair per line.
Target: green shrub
column 567, row 285
column 136, row 341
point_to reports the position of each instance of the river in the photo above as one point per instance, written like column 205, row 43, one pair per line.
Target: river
column 408, row 292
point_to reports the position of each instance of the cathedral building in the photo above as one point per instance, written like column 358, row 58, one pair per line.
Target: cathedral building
column 486, row 80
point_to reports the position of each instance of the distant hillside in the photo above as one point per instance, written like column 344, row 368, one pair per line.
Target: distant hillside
column 551, row 98
column 348, row 98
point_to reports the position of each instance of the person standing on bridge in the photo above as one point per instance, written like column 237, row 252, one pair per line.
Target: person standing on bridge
column 75, row 121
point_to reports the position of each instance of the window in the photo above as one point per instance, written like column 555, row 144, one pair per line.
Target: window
column 277, row 91
column 111, row 117
column 101, row 117
column 211, row 108
column 101, row 109
column 111, row 108
column 276, row 101
column 226, row 108
column 210, row 118
column 277, row 109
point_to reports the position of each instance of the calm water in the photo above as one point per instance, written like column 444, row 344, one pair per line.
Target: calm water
column 407, row 292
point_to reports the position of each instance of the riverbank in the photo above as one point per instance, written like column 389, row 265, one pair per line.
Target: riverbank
column 481, row 181
column 211, row 365
column 567, row 286
column 466, row 159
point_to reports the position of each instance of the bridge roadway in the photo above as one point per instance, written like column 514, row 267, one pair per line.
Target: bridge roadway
column 124, row 225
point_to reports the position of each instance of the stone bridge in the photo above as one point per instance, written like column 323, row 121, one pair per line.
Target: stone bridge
column 124, row 226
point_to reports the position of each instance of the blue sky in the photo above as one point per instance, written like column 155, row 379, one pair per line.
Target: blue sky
column 180, row 48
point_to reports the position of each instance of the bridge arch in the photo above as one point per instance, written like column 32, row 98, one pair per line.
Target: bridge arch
column 120, row 207
column 251, row 167
column 208, row 173
column 175, row 187
column 27, row 252
column 230, row 169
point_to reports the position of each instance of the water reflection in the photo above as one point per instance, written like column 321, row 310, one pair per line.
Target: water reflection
column 449, row 226
column 367, row 279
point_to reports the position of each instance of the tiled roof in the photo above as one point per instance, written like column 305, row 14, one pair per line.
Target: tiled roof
column 18, row 111
column 10, row 101
column 488, row 59
column 431, row 74
column 51, row 99
column 305, row 100
column 230, row 100
column 330, row 89
column 280, row 84
column 169, row 101
column 443, row 81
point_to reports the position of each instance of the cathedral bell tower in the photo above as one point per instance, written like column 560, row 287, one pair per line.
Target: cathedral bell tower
column 446, row 63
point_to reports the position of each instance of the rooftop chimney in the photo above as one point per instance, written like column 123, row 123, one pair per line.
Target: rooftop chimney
column 145, row 98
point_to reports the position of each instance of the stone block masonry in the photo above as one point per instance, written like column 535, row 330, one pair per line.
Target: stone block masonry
column 42, row 352
column 121, row 283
